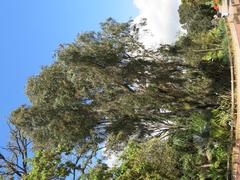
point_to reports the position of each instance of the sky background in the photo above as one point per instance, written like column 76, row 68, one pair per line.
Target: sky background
column 31, row 30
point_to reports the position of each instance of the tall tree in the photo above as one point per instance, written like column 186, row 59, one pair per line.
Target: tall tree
column 108, row 78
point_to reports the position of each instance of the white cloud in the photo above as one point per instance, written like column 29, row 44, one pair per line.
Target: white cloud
column 162, row 20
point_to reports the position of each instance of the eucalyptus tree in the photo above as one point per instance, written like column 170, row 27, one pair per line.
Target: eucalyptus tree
column 105, row 88
column 109, row 76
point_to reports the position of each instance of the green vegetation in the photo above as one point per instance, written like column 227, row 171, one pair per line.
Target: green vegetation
column 167, row 111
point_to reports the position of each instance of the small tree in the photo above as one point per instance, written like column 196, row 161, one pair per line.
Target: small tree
column 15, row 161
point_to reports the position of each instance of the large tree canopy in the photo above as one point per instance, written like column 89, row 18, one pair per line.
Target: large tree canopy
column 109, row 78
column 106, row 88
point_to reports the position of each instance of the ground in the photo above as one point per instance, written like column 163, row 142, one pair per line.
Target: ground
column 233, row 21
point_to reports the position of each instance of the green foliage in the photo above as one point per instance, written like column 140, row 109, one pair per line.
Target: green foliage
column 216, row 37
column 47, row 165
column 204, row 146
column 153, row 159
column 63, row 161
column 105, row 87
column 195, row 16
column 100, row 171
column 53, row 126
column 211, row 45
column 125, row 94
column 221, row 120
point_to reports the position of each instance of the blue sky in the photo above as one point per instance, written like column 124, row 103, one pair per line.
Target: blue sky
column 30, row 32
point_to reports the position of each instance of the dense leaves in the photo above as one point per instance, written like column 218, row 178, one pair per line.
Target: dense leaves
column 106, row 88
column 154, row 159
column 87, row 87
